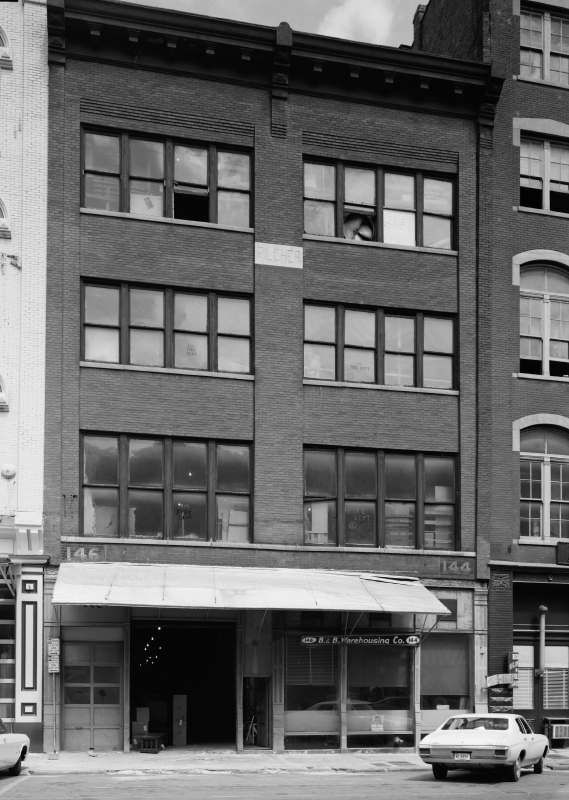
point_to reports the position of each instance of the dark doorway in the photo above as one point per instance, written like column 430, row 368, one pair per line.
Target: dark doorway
column 172, row 659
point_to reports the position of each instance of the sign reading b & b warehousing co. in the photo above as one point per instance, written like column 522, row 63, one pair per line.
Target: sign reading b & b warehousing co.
column 397, row 639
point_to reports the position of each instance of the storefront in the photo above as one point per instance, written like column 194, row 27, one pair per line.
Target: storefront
column 192, row 647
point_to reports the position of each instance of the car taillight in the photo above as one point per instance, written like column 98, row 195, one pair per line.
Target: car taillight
column 424, row 751
column 501, row 752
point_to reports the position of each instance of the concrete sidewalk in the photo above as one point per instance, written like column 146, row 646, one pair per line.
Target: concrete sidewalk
column 173, row 761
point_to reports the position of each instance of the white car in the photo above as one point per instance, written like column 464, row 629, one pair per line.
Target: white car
column 14, row 747
column 484, row 741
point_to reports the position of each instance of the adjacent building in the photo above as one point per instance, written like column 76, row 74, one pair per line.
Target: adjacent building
column 265, row 254
column 23, row 229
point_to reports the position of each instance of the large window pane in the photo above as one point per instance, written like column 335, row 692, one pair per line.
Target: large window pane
column 100, row 458
column 233, row 355
column 102, row 305
column 320, row 181
column 530, row 518
column 102, row 344
column 559, row 520
column 232, row 518
column 145, row 462
column 320, row 473
column 400, row 334
column 437, row 372
column 360, row 522
column 359, row 328
column 146, row 348
column 233, row 209
column 437, row 232
column 311, row 698
column 439, row 527
column 361, row 475
column 319, row 324
column 145, row 514
column 233, row 468
column 319, row 218
column 77, row 674
column 399, row 228
column 190, row 312
column 147, row 197
column 233, row 316
column 101, row 512
column 359, row 186
column 102, row 153
column 190, row 165
column 400, row 477
column 190, row 351
column 102, row 192
column 147, row 308
column 399, row 191
column 532, row 440
column 400, row 524
column 107, row 696
column 233, row 171
column 437, row 197
column 359, row 365
column 320, row 362
column 146, row 159
column 190, row 459
column 438, row 335
column 557, row 442
column 445, row 672
column 399, row 370
column 189, row 516
column 320, row 522
column 439, row 480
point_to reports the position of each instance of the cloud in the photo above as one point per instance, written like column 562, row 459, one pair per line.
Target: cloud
column 359, row 20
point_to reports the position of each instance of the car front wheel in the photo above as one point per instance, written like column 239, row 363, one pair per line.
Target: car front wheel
column 17, row 768
column 439, row 772
column 538, row 766
column 515, row 771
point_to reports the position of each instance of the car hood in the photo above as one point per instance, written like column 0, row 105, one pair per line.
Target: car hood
column 478, row 737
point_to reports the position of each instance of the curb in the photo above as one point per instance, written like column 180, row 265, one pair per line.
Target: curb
column 202, row 771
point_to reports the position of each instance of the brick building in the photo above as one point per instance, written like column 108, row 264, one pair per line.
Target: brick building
column 23, row 228
column 229, row 202
column 523, row 389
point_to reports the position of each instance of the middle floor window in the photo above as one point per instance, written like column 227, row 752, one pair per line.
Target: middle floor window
column 152, row 327
column 152, row 488
column 370, row 499
column 377, row 346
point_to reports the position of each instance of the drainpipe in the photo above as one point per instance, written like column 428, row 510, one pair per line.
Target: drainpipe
column 541, row 669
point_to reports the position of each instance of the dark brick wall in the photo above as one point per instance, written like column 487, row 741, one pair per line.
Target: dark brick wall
column 452, row 28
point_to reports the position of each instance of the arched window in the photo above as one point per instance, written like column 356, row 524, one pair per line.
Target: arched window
column 5, row 51
column 4, row 222
column 544, row 320
column 544, row 483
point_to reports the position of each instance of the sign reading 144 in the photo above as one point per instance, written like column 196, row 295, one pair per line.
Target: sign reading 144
column 456, row 566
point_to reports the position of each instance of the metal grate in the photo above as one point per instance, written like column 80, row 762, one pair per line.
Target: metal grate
column 560, row 732
column 523, row 692
column 556, row 688
column 316, row 666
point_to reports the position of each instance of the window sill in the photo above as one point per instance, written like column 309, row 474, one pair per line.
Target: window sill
column 553, row 84
column 5, row 233
column 167, row 371
column 541, row 211
column 531, row 377
column 337, row 240
column 379, row 387
column 6, row 63
column 168, row 220
column 300, row 548
column 530, row 540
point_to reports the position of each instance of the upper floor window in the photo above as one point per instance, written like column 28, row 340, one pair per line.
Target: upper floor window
column 375, row 346
column 544, row 41
column 165, row 488
column 376, row 205
column 5, row 232
column 544, row 175
column 164, row 178
column 366, row 498
column 544, row 483
column 544, row 321
column 5, row 51
column 151, row 327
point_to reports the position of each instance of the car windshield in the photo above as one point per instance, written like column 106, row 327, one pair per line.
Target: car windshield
column 472, row 723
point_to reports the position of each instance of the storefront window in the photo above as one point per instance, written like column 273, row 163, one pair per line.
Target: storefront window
column 445, row 672
column 379, row 696
column 312, row 715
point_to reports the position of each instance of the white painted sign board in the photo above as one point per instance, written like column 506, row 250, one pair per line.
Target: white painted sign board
column 278, row 255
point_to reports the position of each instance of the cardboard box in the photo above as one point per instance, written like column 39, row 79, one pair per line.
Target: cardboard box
column 143, row 714
column 139, row 728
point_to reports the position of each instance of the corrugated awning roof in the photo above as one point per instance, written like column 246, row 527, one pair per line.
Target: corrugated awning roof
column 185, row 586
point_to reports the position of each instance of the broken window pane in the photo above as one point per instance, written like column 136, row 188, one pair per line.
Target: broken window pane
column 100, row 458
column 399, row 228
column 361, row 475
column 233, row 468
column 319, row 218
column 102, row 344
column 102, row 192
column 101, row 512
column 320, row 473
column 320, row 362
column 320, row 522
column 190, row 165
column 145, row 462
column 233, row 316
column 233, row 355
column 147, row 308
column 320, row 181
column 399, row 191
column 232, row 518
column 145, row 514
column 359, row 328
column 189, row 516
column 437, row 372
column 359, row 186
column 146, row 159
column 439, row 479
column 191, row 206
column 359, row 365
column 233, row 171
column 320, row 324
column 438, row 335
column 360, row 524
column 190, row 312
column 437, row 197
column 190, row 351
column 146, row 348
column 190, row 459
column 102, row 153
column 147, row 198
column 102, row 305
column 437, row 232
column 233, row 209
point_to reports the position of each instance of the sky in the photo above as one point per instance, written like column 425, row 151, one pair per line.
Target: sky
column 388, row 22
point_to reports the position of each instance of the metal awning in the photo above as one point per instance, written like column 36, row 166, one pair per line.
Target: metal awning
column 185, row 586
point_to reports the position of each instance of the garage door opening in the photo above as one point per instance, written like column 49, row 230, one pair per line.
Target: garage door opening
column 184, row 674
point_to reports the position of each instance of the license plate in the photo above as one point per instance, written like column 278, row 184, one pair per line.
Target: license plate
column 462, row 756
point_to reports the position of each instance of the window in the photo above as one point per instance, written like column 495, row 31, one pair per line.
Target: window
column 369, row 499
column 544, row 483
column 5, row 232
column 544, row 321
column 125, row 324
column 165, row 489
column 374, row 205
column 544, row 43
column 544, row 175
column 445, row 672
column 374, row 346
column 5, row 51
column 164, row 178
